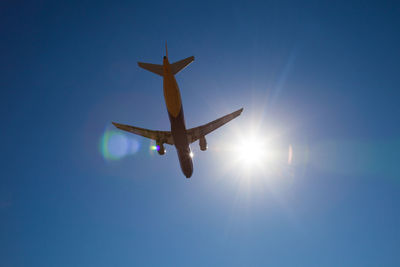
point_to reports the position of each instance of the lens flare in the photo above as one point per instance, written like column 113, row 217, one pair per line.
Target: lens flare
column 153, row 147
column 290, row 155
column 115, row 145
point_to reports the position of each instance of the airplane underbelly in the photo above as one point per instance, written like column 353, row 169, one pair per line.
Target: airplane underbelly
column 172, row 96
column 186, row 162
column 178, row 127
column 178, row 131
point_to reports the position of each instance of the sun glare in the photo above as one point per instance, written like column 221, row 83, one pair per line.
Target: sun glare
column 255, row 151
column 258, row 153
column 250, row 151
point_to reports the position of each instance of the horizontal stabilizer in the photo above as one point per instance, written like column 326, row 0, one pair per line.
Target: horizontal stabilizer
column 157, row 69
column 181, row 64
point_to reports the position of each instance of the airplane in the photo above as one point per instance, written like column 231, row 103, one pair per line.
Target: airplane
column 179, row 136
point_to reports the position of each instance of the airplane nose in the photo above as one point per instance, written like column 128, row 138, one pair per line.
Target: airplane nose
column 188, row 174
column 188, row 170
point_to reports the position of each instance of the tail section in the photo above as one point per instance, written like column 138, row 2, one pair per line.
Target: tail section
column 180, row 65
column 175, row 67
column 157, row 69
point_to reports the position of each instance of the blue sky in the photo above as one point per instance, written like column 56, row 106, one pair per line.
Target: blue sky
column 320, row 77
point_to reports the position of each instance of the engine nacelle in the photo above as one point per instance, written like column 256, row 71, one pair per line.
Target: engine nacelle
column 203, row 143
column 160, row 148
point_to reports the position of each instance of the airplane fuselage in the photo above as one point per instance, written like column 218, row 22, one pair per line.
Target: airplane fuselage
column 173, row 102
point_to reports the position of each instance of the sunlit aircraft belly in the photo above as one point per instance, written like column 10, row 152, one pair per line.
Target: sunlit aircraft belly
column 178, row 129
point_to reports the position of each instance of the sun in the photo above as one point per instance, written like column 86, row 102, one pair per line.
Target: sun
column 257, row 152
column 250, row 150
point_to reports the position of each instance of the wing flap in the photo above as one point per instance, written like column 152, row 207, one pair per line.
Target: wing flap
column 162, row 136
column 198, row 132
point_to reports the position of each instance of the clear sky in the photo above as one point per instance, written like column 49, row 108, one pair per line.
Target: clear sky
column 317, row 78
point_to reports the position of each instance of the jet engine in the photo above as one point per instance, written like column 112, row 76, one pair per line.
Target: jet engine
column 160, row 148
column 203, row 143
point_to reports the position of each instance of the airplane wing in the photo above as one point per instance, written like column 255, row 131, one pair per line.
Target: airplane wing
column 161, row 136
column 198, row 132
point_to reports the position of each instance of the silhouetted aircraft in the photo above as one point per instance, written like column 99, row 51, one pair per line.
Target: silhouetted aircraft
column 179, row 135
